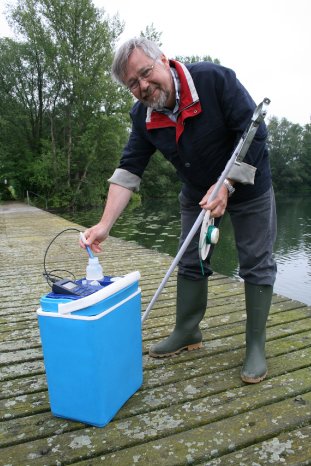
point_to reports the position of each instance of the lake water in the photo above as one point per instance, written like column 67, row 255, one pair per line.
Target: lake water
column 155, row 224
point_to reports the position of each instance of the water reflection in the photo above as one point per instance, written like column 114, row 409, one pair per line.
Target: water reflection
column 156, row 225
column 293, row 248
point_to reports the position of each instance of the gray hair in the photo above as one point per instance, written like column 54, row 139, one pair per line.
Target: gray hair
column 119, row 65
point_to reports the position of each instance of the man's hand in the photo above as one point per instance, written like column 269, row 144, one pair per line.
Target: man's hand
column 218, row 206
column 94, row 236
column 117, row 200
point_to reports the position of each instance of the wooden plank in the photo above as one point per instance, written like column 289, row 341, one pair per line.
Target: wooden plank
column 219, row 339
column 285, row 344
column 290, row 448
column 183, row 432
column 225, row 436
column 172, row 388
column 23, row 334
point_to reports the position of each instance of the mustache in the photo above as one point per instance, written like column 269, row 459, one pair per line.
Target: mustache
column 148, row 92
column 157, row 103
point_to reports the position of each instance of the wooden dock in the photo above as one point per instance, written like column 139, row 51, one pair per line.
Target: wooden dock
column 192, row 409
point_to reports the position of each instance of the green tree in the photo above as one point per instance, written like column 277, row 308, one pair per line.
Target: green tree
column 196, row 58
column 305, row 157
column 152, row 34
column 160, row 179
column 286, row 148
column 19, row 123
column 63, row 70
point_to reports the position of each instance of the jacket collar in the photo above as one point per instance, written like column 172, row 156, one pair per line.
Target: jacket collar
column 188, row 92
column 189, row 103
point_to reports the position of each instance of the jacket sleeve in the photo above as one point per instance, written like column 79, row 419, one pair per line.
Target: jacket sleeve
column 126, row 179
column 136, row 154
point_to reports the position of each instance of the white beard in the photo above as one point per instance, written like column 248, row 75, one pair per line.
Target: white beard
column 159, row 103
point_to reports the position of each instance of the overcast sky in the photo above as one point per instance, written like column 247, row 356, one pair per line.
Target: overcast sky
column 267, row 43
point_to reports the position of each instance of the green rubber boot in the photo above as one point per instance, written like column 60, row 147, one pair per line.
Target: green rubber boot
column 190, row 310
column 258, row 302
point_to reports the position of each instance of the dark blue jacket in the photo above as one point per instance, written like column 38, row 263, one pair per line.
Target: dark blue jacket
column 215, row 109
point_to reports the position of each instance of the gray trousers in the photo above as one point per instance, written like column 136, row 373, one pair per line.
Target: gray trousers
column 255, row 226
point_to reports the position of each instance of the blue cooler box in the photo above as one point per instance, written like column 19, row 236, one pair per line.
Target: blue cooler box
column 92, row 350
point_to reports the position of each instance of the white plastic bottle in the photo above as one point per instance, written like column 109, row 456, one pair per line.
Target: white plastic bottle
column 94, row 270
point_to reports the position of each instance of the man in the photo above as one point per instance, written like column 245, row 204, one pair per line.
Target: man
column 194, row 115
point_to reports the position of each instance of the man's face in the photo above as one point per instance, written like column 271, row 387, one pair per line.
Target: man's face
column 150, row 81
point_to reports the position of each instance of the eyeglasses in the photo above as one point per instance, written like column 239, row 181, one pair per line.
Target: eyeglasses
column 145, row 74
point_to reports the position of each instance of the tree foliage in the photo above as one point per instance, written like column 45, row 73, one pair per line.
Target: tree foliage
column 196, row 58
column 152, row 34
column 71, row 118
column 290, row 153
column 160, row 179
